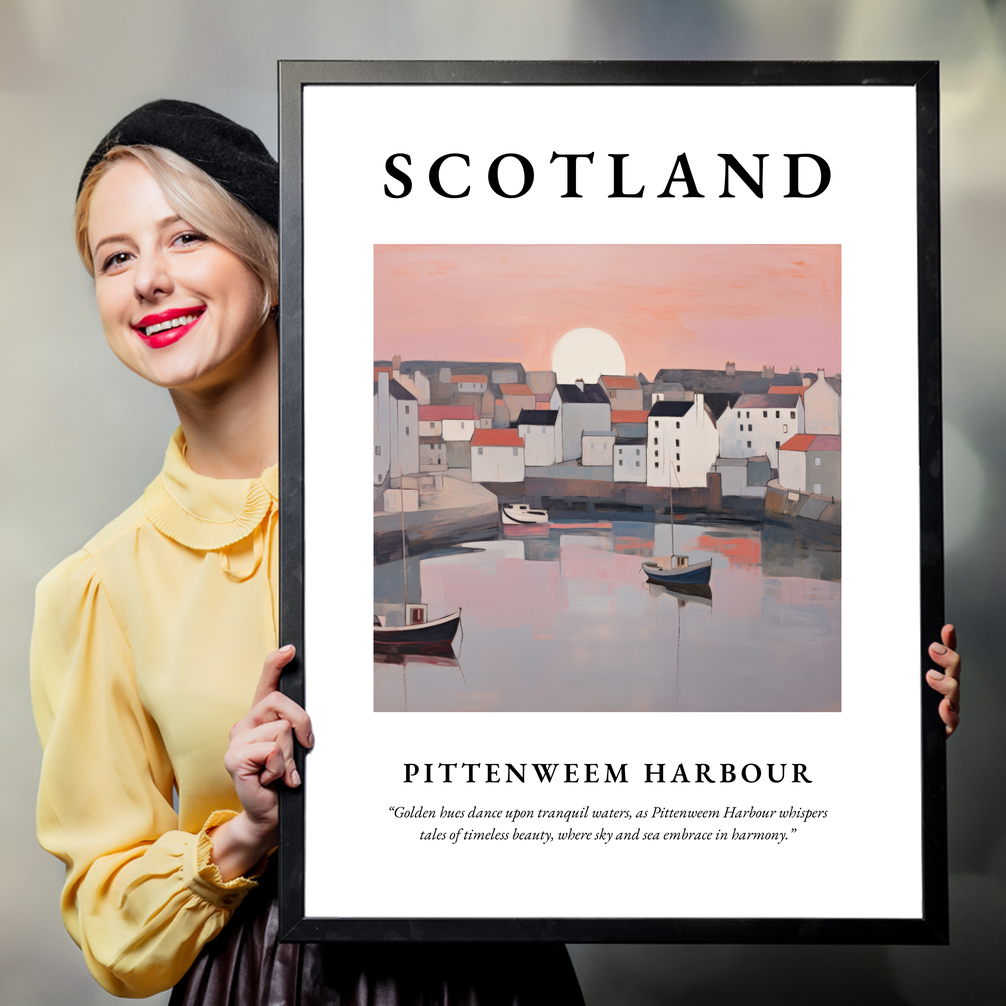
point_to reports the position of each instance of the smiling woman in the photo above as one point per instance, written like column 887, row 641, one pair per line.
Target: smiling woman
column 154, row 667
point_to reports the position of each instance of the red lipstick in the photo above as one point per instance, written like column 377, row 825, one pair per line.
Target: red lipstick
column 166, row 327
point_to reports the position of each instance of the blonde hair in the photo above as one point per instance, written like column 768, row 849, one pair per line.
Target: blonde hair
column 199, row 200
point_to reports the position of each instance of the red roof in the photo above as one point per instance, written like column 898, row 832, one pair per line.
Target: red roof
column 515, row 389
column 382, row 370
column 469, row 379
column 629, row 415
column 432, row 413
column 629, row 383
column 812, row 442
column 786, row 389
column 497, row 438
column 541, row 406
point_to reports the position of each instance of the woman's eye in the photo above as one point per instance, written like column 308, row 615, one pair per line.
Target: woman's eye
column 114, row 261
column 190, row 238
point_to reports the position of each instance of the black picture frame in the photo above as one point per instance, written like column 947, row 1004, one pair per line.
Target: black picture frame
column 931, row 927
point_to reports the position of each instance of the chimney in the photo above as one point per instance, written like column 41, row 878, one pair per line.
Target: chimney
column 820, row 373
column 731, row 368
column 579, row 383
column 699, row 407
column 396, row 367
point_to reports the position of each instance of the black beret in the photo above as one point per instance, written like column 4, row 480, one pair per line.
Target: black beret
column 230, row 154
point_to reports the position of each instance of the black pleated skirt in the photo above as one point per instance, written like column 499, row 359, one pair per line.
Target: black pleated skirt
column 246, row 965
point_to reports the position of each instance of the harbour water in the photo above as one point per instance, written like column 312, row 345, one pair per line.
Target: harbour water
column 560, row 617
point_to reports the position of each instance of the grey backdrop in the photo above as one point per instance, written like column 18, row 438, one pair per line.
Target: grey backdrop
column 82, row 436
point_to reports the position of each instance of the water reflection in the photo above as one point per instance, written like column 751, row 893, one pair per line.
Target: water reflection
column 566, row 620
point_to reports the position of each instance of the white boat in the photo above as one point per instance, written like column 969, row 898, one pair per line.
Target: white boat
column 521, row 513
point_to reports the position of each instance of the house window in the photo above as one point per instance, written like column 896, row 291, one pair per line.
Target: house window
column 785, row 428
column 678, row 467
column 776, row 413
column 656, row 454
column 480, row 450
column 749, row 443
column 656, row 465
column 637, row 464
column 817, row 487
column 764, row 415
column 406, row 410
column 515, row 452
column 619, row 462
column 817, row 462
column 738, row 415
column 677, row 443
column 592, row 445
column 677, row 426
column 637, row 452
column 543, row 429
column 377, row 450
column 619, row 450
column 406, row 431
column 677, row 457
column 462, row 425
column 777, row 445
column 656, row 423
column 654, row 439
column 792, row 415
column 748, row 414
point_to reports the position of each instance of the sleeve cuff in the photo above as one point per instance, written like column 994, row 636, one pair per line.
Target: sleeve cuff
column 202, row 876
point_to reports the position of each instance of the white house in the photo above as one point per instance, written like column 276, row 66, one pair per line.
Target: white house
column 382, row 428
column 497, row 456
column 580, row 407
column 537, row 429
column 629, row 459
column 759, row 424
column 597, row 447
column 823, row 407
column 681, row 443
column 452, row 422
column 812, row 463
column 403, row 415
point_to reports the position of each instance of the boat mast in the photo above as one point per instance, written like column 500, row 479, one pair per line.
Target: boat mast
column 405, row 567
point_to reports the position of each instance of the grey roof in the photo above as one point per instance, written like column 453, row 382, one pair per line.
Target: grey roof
column 402, row 394
column 592, row 394
column 766, row 402
column 598, row 433
column 637, row 441
column 672, row 408
column 537, row 417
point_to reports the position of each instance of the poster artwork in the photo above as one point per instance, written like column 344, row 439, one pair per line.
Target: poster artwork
column 615, row 474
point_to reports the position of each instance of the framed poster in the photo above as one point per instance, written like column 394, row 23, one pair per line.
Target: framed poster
column 652, row 549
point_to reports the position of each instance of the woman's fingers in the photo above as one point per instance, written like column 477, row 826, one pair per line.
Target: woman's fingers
column 278, row 735
column 271, row 671
column 277, row 706
column 947, row 680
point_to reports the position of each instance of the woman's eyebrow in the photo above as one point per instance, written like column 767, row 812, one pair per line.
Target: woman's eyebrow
column 160, row 225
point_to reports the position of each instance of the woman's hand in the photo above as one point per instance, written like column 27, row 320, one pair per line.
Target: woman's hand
column 947, row 682
column 260, row 754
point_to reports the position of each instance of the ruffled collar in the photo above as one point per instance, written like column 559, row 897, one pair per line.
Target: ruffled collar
column 203, row 513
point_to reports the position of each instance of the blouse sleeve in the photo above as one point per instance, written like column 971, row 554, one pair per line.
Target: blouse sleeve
column 141, row 898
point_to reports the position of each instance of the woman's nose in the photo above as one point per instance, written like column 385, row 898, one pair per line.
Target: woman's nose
column 152, row 277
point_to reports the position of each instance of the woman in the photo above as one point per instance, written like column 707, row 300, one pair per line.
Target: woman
column 149, row 642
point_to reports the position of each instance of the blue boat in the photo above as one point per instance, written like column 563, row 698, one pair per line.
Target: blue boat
column 680, row 571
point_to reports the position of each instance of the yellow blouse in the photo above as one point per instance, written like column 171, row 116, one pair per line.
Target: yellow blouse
column 147, row 647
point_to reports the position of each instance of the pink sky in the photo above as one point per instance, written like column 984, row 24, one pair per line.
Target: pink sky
column 666, row 305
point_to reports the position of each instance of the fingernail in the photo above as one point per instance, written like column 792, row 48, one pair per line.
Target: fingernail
column 938, row 648
column 936, row 676
column 287, row 649
column 295, row 777
column 310, row 740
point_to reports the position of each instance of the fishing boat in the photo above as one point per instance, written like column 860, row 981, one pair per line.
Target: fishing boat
column 418, row 637
column 521, row 513
column 674, row 569
column 680, row 571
